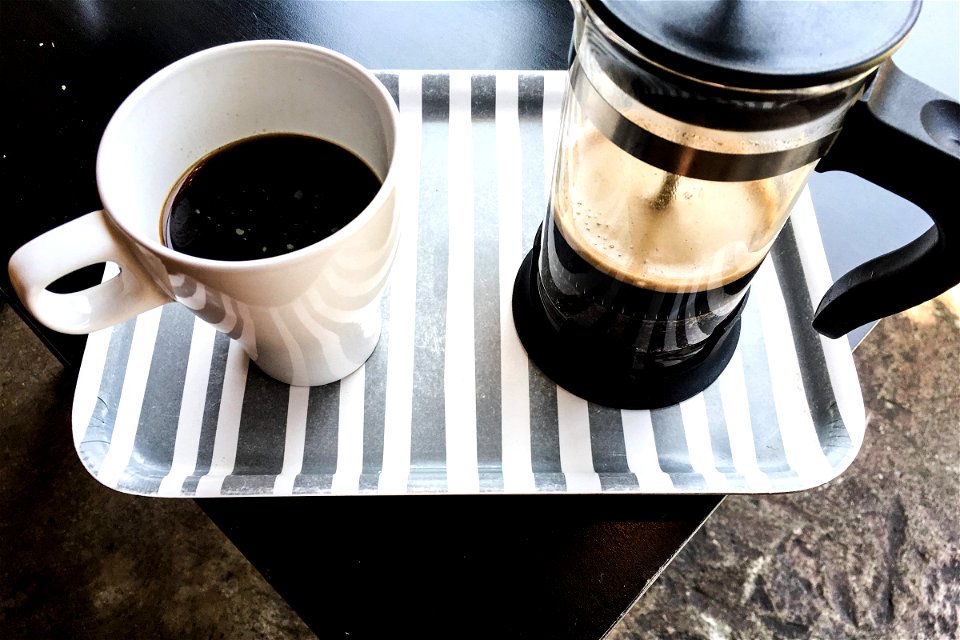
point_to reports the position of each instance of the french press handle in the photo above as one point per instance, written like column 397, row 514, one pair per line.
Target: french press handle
column 904, row 136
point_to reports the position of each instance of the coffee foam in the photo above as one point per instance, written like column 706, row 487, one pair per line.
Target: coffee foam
column 660, row 231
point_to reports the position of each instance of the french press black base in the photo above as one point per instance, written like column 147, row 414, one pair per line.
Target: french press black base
column 606, row 373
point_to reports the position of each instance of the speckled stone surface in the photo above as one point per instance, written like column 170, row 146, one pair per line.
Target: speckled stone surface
column 78, row 560
column 874, row 553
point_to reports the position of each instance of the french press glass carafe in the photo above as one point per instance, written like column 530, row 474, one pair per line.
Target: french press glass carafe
column 688, row 131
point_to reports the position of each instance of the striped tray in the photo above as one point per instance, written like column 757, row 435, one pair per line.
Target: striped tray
column 448, row 403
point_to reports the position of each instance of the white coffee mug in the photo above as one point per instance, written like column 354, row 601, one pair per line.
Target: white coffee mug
column 306, row 318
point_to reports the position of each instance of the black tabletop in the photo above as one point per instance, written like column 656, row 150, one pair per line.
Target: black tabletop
column 371, row 566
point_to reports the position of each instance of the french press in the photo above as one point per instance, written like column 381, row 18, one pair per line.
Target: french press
column 688, row 131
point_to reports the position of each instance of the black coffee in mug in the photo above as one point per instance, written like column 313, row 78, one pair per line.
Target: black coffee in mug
column 265, row 196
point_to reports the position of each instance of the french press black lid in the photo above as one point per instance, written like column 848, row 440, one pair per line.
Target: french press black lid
column 759, row 44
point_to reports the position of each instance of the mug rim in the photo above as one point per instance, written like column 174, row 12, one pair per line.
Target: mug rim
column 388, row 111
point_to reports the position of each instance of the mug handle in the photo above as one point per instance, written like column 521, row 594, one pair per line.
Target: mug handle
column 87, row 240
column 904, row 136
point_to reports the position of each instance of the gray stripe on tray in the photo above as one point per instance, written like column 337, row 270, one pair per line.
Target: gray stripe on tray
column 720, row 437
column 321, row 439
column 768, row 443
column 375, row 375
column 544, row 423
column 96, row 439
column 428, row 444
column 374, row 408
column 391, row 82
column 486, row 292
column 831, row 431
column 261, row 435
column 673, row 456
column 211, row 410
column 157, row 430
column 609, row 449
